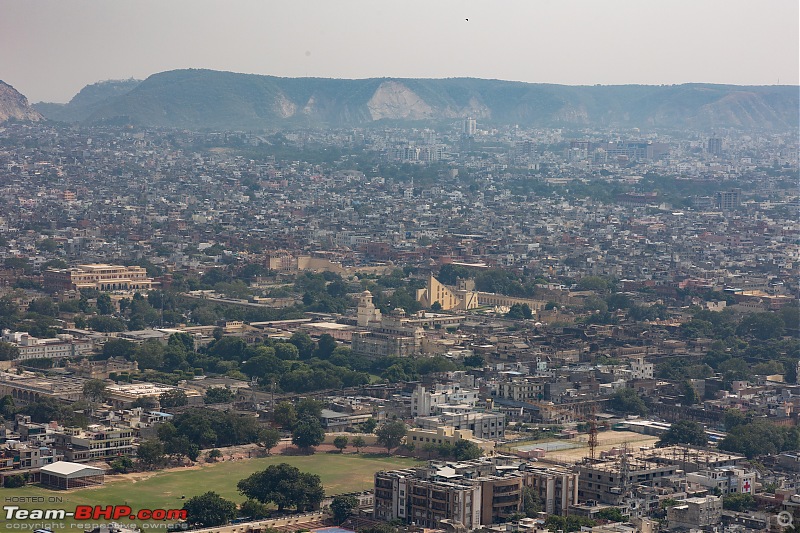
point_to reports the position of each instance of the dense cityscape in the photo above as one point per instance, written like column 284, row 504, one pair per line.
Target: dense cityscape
column 503, row 329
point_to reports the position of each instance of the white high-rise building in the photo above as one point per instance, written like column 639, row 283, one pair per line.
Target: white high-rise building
column 470, row 126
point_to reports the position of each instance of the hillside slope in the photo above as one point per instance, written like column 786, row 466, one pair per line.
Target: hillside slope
column 14, row 105
column 226, row 100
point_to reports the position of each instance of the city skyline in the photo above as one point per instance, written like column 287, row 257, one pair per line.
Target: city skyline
column 61, row 47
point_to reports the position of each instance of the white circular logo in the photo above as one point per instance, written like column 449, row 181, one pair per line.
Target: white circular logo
column 785, row 519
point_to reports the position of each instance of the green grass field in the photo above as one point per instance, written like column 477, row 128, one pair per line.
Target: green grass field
column 164, row 490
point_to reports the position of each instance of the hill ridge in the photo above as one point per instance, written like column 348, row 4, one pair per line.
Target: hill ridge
column 203, row 98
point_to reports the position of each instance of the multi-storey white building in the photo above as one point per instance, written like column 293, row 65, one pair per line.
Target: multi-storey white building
column 640, row 369
column 727, row 480
column 425, row 403
column 55, row 348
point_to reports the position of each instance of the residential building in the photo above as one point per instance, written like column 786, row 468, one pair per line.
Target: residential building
column 96, row 442
column 419, row 437
column 425, row 402
column 693, row 513
column 556, row 487
column 486, row 425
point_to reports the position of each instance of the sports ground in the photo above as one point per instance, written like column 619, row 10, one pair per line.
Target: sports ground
column 169, row 489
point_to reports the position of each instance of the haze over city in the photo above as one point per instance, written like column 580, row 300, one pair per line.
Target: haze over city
column 51, row 49
column 391, row 267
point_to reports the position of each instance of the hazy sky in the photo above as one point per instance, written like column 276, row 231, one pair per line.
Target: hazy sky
column 49, row 49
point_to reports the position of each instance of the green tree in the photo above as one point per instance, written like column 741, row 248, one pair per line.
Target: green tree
column 7, row 407
column 612, row 514
column 94, row 390
column 474, row 361
column 325, row 346
column 15, row 481
column 119, row 348
column 465, row 450
column 760, row 437
column 214, row 454
column 309, row 408
column 183, row 340
column 519, row 312
column 269, row 438
column 358, row 443
column 739, row 502
column 121, row 465
column 106, row 324
column 209, row 510
column 684, row 432
column 218, row 395
column 689, row 393
column 43, row 306
column 285, row 415
column 285, row 486
column 733, row 418
column 307, row 432
column 340, row 443
column 626, row 401
column 150, row 452
column 531, row 502
column 342, row 507
column 304, row 344
column 390, row 434
column 761, row 326
column 568, row 523
column 173, row 398
column 8, row 351
column 369, row 425
column 286, row 351
column 104, row 304
column 253, row 510
column 592, row 283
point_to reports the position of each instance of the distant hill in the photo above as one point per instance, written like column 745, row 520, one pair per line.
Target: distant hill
column 86, row 101
column 14, row 105
column 226, row 100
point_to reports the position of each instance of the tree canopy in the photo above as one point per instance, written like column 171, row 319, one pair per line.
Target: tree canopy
column 684, row 432
column 285, row 486
column 209, row 510
column 390, row 434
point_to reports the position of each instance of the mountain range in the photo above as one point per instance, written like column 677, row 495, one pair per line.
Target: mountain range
column 199, row 99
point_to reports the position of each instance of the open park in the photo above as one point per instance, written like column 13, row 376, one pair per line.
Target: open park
column 169, row 489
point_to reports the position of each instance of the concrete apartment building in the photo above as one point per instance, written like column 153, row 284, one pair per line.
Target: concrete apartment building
column 20, row 455
column 606, row 481
column 425, row 402
column 693, row 513
column 445, row 435
column 557, row 487
column 485, row 425
column 97, row 276
column 474, row 493
column 96, row 442
column 401, row 495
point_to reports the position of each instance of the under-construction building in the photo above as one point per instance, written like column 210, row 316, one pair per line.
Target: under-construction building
column 615, row 481
column 473, row 493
